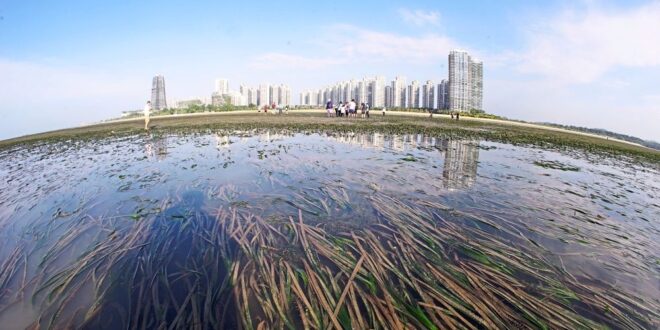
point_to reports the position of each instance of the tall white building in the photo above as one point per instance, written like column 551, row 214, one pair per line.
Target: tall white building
column 428, row 95
column 158, row 98
column 287, row 95
column 251, row 96
column 399, row 92
column 361, row 91
column 222, row 86
column 443, row 95
column 459, row 81
column 349, row 90
column 412, row 97
column 310, row 97
column 465, row 82
column 476, row 84
column 388, row 96
column 263, row 96
column 376, row 97
column 274, row 94
column 320, row 97
column 235, row 98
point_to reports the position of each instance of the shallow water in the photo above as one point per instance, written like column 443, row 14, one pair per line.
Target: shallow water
column 594, row 217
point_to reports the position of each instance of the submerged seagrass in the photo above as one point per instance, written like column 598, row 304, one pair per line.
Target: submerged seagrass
column 263, row 229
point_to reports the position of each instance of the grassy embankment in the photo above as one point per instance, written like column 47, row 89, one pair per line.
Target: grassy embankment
column 438, row 126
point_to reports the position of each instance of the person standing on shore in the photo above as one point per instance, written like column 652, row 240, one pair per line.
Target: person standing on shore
column 384, row 109
column 329, row 108
column 352, row 106
column 147, row 111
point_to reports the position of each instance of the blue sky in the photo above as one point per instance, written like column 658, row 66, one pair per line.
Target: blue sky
column 588, row 63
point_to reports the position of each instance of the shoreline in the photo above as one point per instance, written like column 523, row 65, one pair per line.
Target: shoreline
column 394, row 121
column 322, row 112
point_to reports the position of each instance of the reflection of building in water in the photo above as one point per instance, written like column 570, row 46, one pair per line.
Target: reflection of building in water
column 156, row 147
column 380, row 141
column 461, row 156
column 267, row 136
column 461, row 161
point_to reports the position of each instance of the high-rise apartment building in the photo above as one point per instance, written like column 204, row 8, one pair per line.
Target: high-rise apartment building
column 443, row 95
column 235, row 98
column 222, row 86
column 252, row 96
column 388, row 96
column 476, row 84
column 320, row 97
column 263, row 96
column 278, row 94
column 459, row 81
column 399, row 92
column 287, row 95
column 158, row 99
column 361, row 92
column 274, row 94
column 376, row 92
column 412, row 97
column 465, row 82
column 431, row 99
column 428, row 95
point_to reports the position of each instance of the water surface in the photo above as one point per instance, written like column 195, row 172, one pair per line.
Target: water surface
column 591, row 221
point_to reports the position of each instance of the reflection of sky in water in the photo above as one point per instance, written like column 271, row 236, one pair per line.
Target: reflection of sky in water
column 600, row 221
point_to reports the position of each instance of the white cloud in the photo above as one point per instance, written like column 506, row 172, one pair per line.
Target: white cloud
column 581, row 47
column 348, row 44
column 419, row 17
column 373, row 45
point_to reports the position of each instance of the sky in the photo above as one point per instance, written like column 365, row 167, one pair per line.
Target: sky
column 584, row 63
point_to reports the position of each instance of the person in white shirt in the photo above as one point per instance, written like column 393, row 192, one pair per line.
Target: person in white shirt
column 147, row 110
column 352, row 106
column 384, row 111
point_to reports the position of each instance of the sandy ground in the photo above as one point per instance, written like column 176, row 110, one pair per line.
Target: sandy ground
column 397, row 113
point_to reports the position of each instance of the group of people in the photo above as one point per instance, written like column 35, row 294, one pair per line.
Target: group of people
column 348, row 109
column 274, row 107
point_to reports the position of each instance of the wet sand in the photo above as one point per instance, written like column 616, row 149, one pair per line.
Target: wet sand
column 393, row 122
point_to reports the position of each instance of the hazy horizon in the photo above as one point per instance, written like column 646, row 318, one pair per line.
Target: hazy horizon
column 588, row 63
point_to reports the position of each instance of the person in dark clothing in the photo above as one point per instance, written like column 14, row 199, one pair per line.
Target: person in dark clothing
column 328, row 108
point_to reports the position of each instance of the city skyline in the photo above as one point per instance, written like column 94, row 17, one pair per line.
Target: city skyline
column 263, row 94
column 465, row 74
column 592, row 64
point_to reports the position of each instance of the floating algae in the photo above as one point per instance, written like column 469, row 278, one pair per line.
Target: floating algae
column 555, row 165
column 321, row 234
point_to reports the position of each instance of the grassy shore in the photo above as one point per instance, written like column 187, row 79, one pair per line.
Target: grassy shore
column 396, row 124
